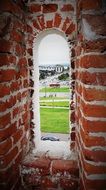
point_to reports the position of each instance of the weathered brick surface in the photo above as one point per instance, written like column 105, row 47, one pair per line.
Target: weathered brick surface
column 19, row 25
column 49, row 8
column 43, row 172
column 12, row 52
column 91, row 96
column 67, row 7
column 65, row 166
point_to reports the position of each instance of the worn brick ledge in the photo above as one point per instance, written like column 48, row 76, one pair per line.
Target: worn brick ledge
column 50, row 174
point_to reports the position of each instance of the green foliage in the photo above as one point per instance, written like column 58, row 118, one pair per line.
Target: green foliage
column 63, row 76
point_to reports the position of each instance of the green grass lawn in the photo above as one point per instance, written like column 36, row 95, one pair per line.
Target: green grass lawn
column 54, row 120
column 52, row 98
column 51, row 89
column 56, row 104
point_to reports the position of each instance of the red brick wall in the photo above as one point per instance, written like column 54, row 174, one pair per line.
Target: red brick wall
column 91, row 94
column 19, row 26
column 14, row 83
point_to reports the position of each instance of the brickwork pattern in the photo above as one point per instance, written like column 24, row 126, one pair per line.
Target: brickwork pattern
column 85, row 31
column 14, row 93
column 91, row 94
column 44, row 173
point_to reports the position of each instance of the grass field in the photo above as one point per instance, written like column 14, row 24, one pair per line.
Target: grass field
column 51, row 89
column 54, row 120
column 56, row 104
column 52, row 98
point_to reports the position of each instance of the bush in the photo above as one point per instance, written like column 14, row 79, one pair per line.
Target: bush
column 63, row 76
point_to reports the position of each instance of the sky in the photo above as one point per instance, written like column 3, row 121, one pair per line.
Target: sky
column 53, row 49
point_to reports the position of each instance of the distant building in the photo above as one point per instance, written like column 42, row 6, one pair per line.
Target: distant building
column 59, row 68
column 56, row 68
column 46, row 68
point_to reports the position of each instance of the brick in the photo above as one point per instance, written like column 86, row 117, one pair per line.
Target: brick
column 4, row 105
column 97, row 24
column 26, row 83
column 15, row 112
column 20, row 50
column 5, row 25
column 89, row 110
column 23, row 73
column 35, row 8
column 8, row 6
column 88, row 5
column 93, row 126
column 25, row 143
column 36, row 25
column 5, row 120
column 18, row 160
column 91, row 168
column 7, row 132
column 16, row 36
column 69, row 184
column 41, row 21
column 66, row 23
column 78, row 51
column 73, row 136
column 30, row 51
column 94, row 46
column 93, row 61
column 79, row 88
column 13, row 179
column 6, row 46
column 90, row 140
column 18, row 25
column 4, row 90
column 24, row 94
column 72, row 119
column 95, row 155
column 7, row 75
column 4, row 175
column 93, row 78
column 91, row 94
column 43, row 165
column 8, row 158
column 32, row 179
column 17, row 135
column 7, row 60
column 67, row 7
column 5, row 146
column 19, row 97
column 49, row 23
column 48, row 183
column 15, row 86
column 29, row 29
column 94, row 184
column 57, row 20
column 49, row 8
column 22, row 62
column 70, row 29
column 65, row 166
column 25, row 117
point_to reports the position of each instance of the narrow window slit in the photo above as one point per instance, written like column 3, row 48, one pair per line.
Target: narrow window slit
column 52, row 95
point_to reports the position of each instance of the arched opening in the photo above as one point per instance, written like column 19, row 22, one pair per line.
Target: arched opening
column 59, row 60
column 53, row 60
